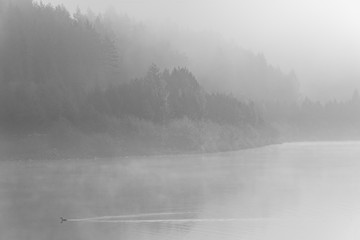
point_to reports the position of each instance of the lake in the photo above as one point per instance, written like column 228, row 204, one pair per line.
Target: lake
column 288, row 191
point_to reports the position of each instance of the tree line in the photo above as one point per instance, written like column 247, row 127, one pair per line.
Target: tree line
column 99, row 83
column 314, row 120
column 61, row 80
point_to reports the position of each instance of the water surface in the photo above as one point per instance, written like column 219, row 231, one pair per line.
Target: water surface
column 289, row 191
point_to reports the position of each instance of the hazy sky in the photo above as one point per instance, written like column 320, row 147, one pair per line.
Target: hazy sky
column 319, row 39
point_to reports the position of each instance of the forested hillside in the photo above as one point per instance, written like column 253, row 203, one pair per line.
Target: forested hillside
column 67, row 88
column 219, row 64
column 312, row 120
column 105, row 85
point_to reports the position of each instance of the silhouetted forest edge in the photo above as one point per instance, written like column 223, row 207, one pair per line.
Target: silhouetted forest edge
column 82, row 86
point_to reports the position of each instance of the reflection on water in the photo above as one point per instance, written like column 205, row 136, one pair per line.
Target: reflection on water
column 290, row 191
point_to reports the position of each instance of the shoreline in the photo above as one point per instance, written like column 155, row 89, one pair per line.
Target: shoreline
column 160, row 153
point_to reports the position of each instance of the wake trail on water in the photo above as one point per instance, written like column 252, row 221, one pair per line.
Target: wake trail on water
column 170, row 220
column 120, row 217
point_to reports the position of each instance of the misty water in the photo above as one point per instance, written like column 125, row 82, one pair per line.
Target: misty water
column 288, row 191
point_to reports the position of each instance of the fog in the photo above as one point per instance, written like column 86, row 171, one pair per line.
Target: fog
column 319, row 40
column 179, row 120
column 169, row 77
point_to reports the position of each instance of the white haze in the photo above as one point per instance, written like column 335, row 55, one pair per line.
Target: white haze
column 318, row 39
